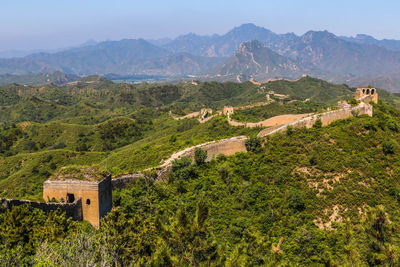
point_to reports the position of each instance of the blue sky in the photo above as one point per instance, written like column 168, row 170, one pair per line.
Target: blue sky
column 34, row 24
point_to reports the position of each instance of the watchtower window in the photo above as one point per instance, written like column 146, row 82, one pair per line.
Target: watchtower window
column 363, row 91
column 372, row 91
column 87, row 201
column 70, row 198
column 367, row 91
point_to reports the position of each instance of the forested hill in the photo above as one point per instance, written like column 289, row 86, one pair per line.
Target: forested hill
column 322, row 197
column 127, row 127
column 325, row 196
column 94, row 99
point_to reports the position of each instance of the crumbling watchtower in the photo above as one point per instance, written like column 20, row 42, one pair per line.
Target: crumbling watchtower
column 90, row 184
column 367, row 94
column 228, row 110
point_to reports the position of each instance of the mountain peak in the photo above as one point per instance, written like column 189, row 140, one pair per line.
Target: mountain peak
column 253, row 59
column 318, row 35
column 250, row 46
column 365, row 37
column 249, row 28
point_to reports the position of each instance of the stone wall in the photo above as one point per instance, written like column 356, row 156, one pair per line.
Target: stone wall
column 188, row 116
column 73, row 210
column 122, row 181
column 105, row 196
column 326, row 118
column 276, row 120
column 227, row 147
column 367, row 94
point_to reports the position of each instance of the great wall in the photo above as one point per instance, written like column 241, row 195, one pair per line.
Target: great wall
column 275, row 124
column 99, row 192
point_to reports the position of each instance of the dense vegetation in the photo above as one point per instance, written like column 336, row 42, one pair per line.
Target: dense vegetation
column 326, row 196
column 123, row 127
column 255, row 208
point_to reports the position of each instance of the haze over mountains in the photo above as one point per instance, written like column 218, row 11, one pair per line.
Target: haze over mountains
column 355, row 60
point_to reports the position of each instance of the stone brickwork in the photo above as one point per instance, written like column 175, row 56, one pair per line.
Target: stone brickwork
column 228, row 110
column 276, row 120
column 122, row 181
column 96, row 196
column 326, row 118
column 227, row 147
column 367, row 94
column 73, row 210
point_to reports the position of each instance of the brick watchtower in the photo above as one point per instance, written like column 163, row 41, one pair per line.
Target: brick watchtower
column 367, row 94
column 91, row 185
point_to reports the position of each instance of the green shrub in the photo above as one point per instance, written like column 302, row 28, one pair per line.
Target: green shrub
column 317, row 124
column 30, row 145
column 388, row 147
column 393, row 125
column 295, row 199
column 200, row 156
column 289, row 130
column 59, row 145
column 253, row 144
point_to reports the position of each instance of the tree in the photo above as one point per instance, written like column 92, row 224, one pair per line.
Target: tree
column 26, row 227
column 189, row 240
column 78, row 249
column 253, row 144
column 200, row 156
column 182, row 169
column 378, row 231
column 289, row 130
column 128, row 240
column 317, row 124
column 388, row 147
column 295, row 199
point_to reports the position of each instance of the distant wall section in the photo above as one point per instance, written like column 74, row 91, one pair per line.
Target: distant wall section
column 326, row 118
column 227, row 147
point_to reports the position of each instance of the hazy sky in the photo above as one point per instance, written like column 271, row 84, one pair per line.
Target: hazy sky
column 33, row 24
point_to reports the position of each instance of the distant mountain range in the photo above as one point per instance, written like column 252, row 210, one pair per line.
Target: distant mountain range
column 253, row 60
column 358, row 60
column 38, row 79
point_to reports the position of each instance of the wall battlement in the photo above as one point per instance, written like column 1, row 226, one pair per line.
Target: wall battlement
column 367, row 94
column 227, row 147
column 73, row 210
column 326, row 118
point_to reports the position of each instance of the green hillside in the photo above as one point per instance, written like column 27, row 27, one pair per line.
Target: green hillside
column 308, row 197
column 322, row 191
column 127, row 128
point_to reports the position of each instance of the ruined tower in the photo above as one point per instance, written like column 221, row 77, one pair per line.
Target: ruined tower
column 228, row 110
column 91, row 185
column 367, row 94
